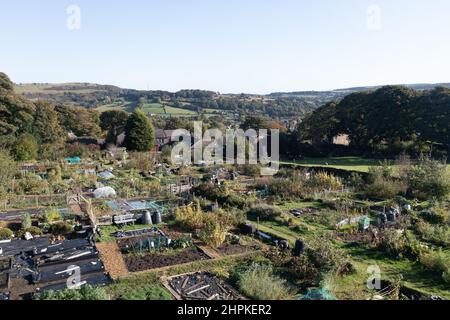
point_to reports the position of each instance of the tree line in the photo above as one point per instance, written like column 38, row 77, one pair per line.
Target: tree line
column 388, row 121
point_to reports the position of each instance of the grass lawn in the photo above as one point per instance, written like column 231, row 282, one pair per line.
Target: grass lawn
column 412, row 274
column 108, row 231
column 344, row 163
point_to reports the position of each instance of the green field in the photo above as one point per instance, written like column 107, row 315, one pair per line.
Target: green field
column 149, row 108
column 127, row 106
column 344, row 163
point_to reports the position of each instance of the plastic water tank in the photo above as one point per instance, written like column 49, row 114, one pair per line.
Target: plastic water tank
column 147, row 218
column 157, row 217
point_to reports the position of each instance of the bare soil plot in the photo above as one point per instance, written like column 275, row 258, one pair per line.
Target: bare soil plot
column 136, row 263
column 234, row 249
column 112, row 259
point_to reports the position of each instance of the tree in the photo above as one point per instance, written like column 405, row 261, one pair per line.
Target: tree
column 114, row 122
column 80, row 121
column 8, row 169
column 16, row 113
column 46, row 127
column 26, row 148
column 139, row 132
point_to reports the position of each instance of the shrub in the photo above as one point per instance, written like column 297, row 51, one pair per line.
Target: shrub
column 323, row 180
column 391, row 242
column 190, row 217
column 428, row 179
column 265, row 212
column 61, row 228
column 438, row 215
column 251, row 170
column 213, row 234
column 437, row 262
column 142, row 161
column 304, row 270
column 34, row 231
column 26, row 148
column 258, row 282
column 85, row 293
column 26, row 221
column 327, row 258
column 437, row 234
column 356, row 181
column 6, row 234
column 32, row 184
column 52, row 216
column 382, row 185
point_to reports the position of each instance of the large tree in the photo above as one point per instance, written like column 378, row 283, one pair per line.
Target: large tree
column 114, row 123
column 139, row 132
column 46, row 127
column 80, row 121
column 8, row 169
column 16, row 113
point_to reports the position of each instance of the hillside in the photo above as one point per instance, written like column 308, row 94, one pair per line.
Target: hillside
column 190, row 102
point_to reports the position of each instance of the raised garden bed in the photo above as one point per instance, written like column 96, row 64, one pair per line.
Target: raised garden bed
column 200, row 286
column 136, row 263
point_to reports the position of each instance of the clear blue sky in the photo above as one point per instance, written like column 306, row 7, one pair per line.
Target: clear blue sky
column 257, row 46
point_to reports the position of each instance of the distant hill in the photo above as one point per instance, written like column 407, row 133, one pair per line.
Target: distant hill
column 191, row 102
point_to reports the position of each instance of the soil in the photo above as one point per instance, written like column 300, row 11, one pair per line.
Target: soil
column 112, row 259
column 136, row 263
column 233, row 249
column 172, row 233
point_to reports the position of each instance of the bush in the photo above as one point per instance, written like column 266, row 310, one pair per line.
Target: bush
column 437, row 262
column 437, row 234
column 26, row 221
column 265, row 212
column 26, row 148
column 326, row 181
column 258, row 282
column 61, row 228
column 32, row 184
column 382, row 185
column 356, row 181
column 52, row 216
column 327, row 258
column 85, row 293
column 438, row 215
column 34, row 231
column 6, row 234
column 428, row 179
column 190, row 217
column 391, row 242
column 142, row 161
column 213, row 234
